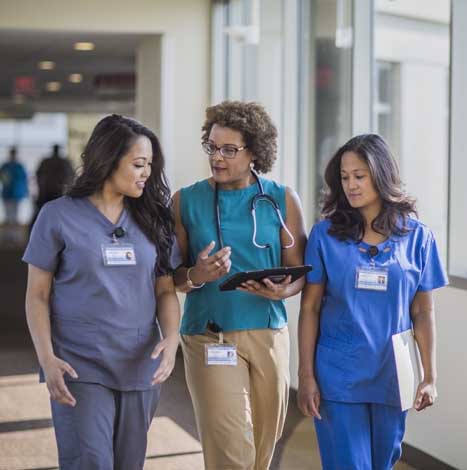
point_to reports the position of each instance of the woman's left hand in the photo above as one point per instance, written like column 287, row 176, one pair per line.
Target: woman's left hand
column 426, row 395
column 267, row 288
column 168, row 349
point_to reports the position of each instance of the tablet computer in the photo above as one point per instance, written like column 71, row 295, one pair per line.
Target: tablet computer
column 274, row 274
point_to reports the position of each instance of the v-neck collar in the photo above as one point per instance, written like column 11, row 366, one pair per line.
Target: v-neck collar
column 103, row 217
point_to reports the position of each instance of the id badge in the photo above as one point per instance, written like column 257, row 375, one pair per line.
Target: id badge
column 116, row 254
column 372, row 278
column 220, row 354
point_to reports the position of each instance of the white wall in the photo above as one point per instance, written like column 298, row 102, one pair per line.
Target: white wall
column 441, row 431
column 185, row 23
column 424, row 143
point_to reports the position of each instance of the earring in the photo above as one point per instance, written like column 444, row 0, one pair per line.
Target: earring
column 252, row 165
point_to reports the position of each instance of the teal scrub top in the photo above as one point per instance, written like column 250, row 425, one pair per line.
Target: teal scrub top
column 232, row 310
column 354, row 359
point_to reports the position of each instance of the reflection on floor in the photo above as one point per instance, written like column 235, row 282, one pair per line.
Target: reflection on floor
column 13, row 236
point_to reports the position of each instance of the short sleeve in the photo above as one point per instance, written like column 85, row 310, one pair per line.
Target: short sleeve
column 433, row 273
column 175, row 255
column 46, row 241
column 175, row 259
column 314, row 256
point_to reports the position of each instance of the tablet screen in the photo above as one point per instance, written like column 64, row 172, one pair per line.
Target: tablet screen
column 274, row 274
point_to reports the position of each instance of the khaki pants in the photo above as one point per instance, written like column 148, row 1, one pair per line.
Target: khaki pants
column 240, row 410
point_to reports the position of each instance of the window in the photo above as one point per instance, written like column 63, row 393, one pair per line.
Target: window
column 386, row 113
column 325, row 119
column 410, row 106
column 255, row 45
column 458, row 187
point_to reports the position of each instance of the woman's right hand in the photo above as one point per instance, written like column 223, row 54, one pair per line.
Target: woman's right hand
column 308, row 396
column 54, row 370
column 210, row 268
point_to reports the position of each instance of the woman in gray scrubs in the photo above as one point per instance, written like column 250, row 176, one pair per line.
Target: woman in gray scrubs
column 100, row 261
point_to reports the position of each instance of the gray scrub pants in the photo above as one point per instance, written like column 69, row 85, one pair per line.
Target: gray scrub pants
column 106, row 430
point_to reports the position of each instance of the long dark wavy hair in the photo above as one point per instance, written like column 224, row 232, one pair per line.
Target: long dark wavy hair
column 346, row 221
column 110, row 140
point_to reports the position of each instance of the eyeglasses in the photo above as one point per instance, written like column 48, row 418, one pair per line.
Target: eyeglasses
column 226, row 151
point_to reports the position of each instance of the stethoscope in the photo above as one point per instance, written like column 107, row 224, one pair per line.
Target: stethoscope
column 261, row 196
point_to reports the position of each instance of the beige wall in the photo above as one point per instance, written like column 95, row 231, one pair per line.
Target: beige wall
column 185, row 25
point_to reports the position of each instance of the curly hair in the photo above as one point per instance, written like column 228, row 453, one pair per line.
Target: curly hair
column 346, row 221
column 110, row 140
column 255, row 125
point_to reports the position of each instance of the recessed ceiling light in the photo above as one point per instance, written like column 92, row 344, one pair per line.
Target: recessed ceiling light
column 75, row 78
column 53, row 86
column 46, row 65
column 84, row 46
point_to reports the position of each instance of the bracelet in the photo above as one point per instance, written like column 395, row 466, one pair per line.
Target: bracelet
column 189, row 282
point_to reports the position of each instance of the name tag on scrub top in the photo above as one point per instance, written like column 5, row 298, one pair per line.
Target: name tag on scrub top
column 220, row 354
column 116, row 254
column 371, row 278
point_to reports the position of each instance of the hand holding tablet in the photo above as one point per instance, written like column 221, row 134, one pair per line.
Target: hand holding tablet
column 276, row 275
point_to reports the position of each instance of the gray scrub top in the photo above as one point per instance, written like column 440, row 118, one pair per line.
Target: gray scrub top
column 103, row 318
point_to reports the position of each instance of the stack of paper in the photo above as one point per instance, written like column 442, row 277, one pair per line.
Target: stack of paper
column 408, row 365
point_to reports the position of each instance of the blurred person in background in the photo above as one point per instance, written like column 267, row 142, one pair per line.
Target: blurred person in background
column 53, row 175
column 14, row 186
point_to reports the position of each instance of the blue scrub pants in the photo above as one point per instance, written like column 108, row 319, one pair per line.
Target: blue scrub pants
column 359, row 436
column 106, row 430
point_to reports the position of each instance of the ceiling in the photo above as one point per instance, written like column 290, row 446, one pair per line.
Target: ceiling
column 108, row 71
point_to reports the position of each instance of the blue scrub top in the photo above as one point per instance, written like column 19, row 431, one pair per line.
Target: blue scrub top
column 232, row 310
column 354, row 359
column 103, row 318
column 14, row 181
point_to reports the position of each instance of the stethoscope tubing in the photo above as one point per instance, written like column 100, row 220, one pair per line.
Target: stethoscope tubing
column 261, row 196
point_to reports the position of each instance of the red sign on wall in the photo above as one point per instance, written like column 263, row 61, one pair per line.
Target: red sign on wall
column 25, row 85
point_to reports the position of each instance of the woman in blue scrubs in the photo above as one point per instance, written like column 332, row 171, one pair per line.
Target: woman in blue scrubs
column 375, row 268
column 99, row 270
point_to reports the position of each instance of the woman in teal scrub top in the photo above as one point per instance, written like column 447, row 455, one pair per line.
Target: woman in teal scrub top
column 236, row 343
column 375, row 268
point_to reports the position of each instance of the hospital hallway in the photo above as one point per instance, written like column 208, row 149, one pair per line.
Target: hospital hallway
column 26, row 433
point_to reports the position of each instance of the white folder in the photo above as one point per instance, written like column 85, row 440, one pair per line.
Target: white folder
column 408, row 365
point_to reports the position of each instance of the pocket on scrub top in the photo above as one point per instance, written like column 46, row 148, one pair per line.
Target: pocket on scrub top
column 74, row 337
column 332, row 372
